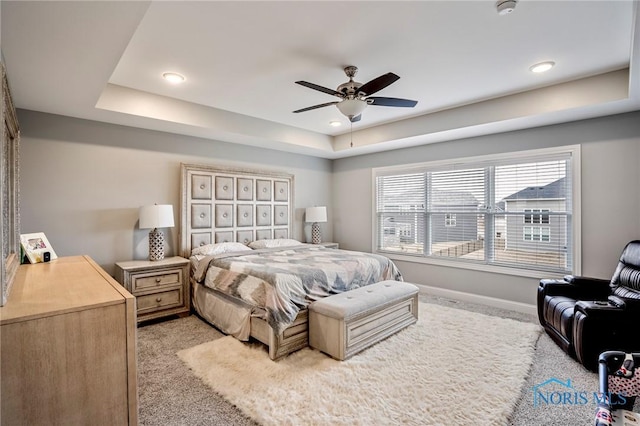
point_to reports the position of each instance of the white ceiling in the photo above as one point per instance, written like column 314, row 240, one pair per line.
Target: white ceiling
column 467, row 66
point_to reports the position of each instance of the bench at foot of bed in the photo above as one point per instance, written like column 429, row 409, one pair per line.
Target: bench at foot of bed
column 346, row 323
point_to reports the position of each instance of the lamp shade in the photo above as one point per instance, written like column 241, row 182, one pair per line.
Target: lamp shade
column 352, row 107
column 156, row 216
column 316, row 214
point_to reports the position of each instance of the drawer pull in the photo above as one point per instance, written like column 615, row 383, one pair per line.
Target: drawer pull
column 158, row 299
column 158, row 279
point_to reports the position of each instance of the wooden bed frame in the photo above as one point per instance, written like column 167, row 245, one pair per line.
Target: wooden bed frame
column 228, row 204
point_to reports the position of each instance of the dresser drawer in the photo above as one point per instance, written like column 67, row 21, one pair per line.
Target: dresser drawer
column 143, row 282
column 158, row 301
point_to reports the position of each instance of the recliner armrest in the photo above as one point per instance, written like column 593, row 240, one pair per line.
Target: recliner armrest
column 587, row 281
column 583, row 288
column 553, row 287
column 617, row 302
column 626, row 303
column 599, row 308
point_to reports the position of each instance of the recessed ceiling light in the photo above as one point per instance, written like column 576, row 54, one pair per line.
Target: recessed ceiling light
column 505, row 7
column 542, row 66
column 173, row 77
column 335, row 123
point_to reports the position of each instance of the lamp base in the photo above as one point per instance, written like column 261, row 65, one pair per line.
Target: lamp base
column 156, row 245
column 316, row 238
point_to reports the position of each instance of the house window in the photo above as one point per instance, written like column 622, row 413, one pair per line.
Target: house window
column 536, row 216
column 514, row 211
column 449, row 219
column 536, row 233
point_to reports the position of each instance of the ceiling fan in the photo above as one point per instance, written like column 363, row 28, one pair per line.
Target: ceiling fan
column 356, row 96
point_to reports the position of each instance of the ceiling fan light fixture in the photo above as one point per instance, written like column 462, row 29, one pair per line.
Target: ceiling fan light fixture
column 173, row 77
column 351, row 107
column 542, row 66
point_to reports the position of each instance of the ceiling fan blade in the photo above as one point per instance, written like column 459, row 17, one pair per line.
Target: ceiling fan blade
column 316, row 107
column 356, row 118
column 391, row 102
column 371, row 87
column 320, row 88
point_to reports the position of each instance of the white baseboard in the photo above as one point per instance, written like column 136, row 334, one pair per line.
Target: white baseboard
column 525, row 308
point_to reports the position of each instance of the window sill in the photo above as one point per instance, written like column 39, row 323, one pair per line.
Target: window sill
column 518, row 272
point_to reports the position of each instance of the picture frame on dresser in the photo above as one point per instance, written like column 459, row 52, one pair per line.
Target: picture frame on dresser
column 10, row 193
column 37, row 247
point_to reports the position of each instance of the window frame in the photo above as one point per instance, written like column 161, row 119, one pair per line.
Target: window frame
column 519, row 156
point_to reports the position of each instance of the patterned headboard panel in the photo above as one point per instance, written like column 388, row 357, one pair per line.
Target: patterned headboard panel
column 223, row 204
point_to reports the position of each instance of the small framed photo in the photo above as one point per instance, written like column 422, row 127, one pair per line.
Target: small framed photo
column 36, row 247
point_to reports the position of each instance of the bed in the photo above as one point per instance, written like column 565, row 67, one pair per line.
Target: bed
column 249, row 278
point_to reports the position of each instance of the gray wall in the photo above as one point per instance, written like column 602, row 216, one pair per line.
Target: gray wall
column 82, row 183
column 610, row 198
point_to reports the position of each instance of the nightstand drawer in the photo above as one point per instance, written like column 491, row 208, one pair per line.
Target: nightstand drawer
column 154, row 280
column 157, row 301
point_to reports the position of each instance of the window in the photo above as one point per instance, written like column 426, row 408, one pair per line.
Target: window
column 515, row 210
column 535, row 233
column 536, row 216
column 449, row 219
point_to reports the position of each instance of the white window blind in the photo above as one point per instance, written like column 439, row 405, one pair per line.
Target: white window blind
column 401, row 203
column 513, row 211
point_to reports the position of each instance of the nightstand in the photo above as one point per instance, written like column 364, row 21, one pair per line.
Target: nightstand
column 161, row 287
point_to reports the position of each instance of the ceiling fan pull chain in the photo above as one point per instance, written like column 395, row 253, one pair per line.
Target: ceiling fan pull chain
column 351, row 122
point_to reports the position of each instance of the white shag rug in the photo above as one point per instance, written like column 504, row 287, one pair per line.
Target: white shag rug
column 453, row 367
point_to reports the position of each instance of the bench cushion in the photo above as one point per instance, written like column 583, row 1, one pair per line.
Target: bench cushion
column 371, row 297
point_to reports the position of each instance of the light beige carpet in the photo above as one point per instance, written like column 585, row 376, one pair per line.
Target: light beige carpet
column 452, row 367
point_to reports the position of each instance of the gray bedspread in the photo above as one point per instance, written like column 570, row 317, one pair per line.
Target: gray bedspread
column 285, row 280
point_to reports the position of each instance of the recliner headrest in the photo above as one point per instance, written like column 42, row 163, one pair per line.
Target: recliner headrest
column 631, row 254
column 627, row 272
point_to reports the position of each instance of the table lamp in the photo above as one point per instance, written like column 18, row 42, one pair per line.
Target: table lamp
column 154, row 217
column 316, row 215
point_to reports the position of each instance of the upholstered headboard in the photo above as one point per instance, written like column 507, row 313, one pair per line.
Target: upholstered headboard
column 225, row 204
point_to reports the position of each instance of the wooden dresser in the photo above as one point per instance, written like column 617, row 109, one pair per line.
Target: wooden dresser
column 68, row 347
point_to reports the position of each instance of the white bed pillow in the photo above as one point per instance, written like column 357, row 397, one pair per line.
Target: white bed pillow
column 277, row 242
column 218, row 248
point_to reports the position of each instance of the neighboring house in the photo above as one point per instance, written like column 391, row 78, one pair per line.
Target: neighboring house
column 536, row 226
column 454, row 224
column 449, row 222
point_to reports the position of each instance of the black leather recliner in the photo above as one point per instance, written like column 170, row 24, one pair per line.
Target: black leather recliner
column 587, row 316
